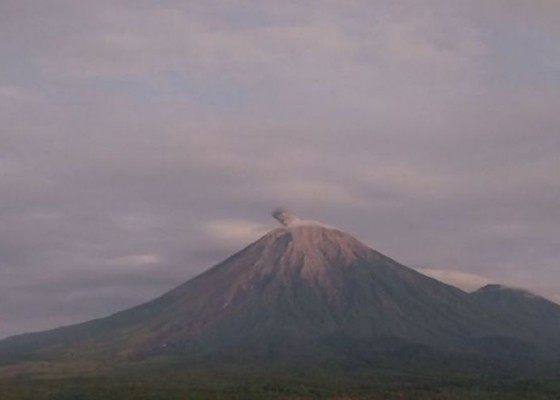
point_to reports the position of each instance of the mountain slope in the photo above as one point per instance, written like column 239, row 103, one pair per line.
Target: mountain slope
column 302, row 292
column 532, row 317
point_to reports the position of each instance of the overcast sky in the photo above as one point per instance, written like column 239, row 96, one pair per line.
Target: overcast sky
column 143, row 141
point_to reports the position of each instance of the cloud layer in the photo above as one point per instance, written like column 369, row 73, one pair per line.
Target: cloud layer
column 143, row 142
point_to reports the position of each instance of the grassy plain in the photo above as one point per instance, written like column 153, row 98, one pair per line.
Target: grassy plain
column 185, row 386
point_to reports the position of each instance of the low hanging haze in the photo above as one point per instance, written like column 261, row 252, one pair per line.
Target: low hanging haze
column 142, row 141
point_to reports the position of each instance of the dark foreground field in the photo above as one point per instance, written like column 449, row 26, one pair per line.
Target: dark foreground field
column 188, row 387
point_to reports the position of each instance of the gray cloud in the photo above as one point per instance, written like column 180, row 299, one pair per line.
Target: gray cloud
column 135, row 132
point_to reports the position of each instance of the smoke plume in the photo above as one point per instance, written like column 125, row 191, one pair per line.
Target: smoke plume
column 285, row 217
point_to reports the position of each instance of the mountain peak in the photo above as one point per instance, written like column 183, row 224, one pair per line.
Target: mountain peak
column 497, row 288
column 311, row 248
column 312, row 239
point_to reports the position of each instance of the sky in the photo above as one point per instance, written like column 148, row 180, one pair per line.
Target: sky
column 142, row 142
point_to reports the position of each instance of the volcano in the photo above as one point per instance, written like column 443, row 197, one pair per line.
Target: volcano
column 305, row 293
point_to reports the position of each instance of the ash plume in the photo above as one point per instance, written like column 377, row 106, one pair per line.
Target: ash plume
column 285, row 217
column 290, row 220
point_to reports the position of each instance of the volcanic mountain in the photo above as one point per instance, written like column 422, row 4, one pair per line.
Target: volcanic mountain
column 305, row 293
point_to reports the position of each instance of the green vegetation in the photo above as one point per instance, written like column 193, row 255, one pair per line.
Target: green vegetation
column 192, row 387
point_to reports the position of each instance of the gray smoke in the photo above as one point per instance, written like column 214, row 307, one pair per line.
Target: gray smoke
column 285, row 217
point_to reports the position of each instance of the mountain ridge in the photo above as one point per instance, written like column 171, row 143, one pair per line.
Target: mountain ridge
column 305, row 291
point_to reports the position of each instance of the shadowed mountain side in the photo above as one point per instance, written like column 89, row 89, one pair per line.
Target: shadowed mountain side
column 532, row 317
